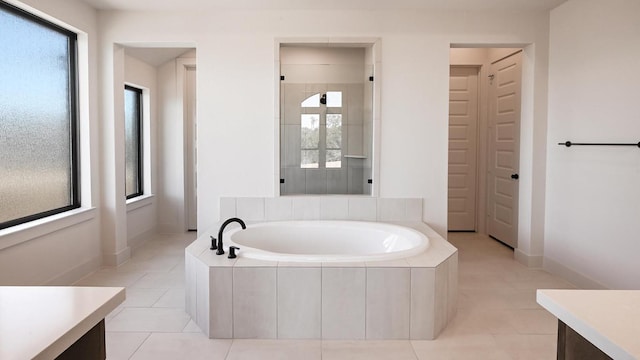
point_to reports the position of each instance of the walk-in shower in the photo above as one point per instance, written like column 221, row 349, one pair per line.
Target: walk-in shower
column 326, row 120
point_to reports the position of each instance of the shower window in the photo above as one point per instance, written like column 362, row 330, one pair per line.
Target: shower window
column 311, row 101
column 334, row 98
column 321, row 132
column 310, row 140
column 38, row 118
column 334, row 141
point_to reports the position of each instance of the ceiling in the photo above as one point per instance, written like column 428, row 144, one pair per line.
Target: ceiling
column 155, row 56
column 173, row 5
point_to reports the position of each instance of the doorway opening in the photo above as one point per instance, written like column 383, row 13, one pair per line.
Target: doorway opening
column 484, row 129
column 172, row 145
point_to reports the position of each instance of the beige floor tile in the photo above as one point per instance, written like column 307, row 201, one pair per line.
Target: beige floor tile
column 160, row 263
column 464, row 347
column 367, row 350
column 497, row 298
column 528, row 347
column 113, row 313
column 160, row 280
column 480, row 321
column 149, row 320
column 121, row 345
column 110, row 277
column 534, row 322
column 523, row 299
column 191, row 327
column 172, row 298
column 485, row 298
column 275, row 350
column 191, row 346
column 142, row 297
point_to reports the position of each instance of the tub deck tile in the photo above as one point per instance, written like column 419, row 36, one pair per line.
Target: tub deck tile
column 299, row 303
column 343, row 303
column 388, row 303
column 254, row 303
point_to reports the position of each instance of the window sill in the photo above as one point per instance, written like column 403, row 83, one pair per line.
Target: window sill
column 140, row 202
column 34, row 229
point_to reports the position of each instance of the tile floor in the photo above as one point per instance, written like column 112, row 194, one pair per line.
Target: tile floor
column 497, row 318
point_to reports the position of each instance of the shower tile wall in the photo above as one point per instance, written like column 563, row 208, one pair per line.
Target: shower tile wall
column 352, row 177
column 323, row 208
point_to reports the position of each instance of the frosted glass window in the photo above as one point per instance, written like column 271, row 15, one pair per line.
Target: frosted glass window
column 311, row 101
column 334, row 98
column 334, row 141
column 133, row 141
column 309, row 140
column 38, row 156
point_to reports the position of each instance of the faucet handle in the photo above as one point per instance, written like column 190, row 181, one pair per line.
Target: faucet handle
column 232, row 252
column 213, row 243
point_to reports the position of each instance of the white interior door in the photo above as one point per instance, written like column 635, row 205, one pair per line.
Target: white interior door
column 191, row 148
column 463, row 134
column 504, row 146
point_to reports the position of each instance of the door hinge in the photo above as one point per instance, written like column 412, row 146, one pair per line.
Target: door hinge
column 281, row 181
column 281, row 77
column 370, row 78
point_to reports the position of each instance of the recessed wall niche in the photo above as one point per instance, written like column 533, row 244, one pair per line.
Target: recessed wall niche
column 326, row 119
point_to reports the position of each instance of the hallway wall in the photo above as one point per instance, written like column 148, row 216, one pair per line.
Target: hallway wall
column 141, row 212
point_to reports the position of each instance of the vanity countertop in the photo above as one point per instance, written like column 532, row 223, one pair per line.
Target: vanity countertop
column 40, row 322
column 609, row 319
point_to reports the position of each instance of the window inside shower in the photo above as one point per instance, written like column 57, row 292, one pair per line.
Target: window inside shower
column 326, row 102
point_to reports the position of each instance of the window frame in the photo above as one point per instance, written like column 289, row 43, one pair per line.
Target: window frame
column 139, row 138
column 74, row 131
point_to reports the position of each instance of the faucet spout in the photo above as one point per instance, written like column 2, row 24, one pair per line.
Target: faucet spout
column 220, row 250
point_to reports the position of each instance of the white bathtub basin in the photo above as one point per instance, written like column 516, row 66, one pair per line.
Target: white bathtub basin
column 326, row 241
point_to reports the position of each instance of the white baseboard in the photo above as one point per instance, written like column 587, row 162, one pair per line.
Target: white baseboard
column 76, row 273
column 532, row 261
column 139, row 240
column 169, row 229
column 572, row 276
column 118, row 258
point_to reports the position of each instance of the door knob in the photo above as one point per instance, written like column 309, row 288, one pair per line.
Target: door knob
column 515, row 176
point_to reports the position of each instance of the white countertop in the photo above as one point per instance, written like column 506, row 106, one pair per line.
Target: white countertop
column 609, row 319
column 40, row 322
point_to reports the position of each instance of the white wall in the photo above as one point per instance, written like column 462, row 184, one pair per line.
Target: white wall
column 592, row 211
column 171, row 147
column 170, row 150
column 63, row 248
column 141, row 212
column 322, row 65
column 236, row 87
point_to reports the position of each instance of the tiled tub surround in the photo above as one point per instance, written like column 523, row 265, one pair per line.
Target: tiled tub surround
column 410, row 298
